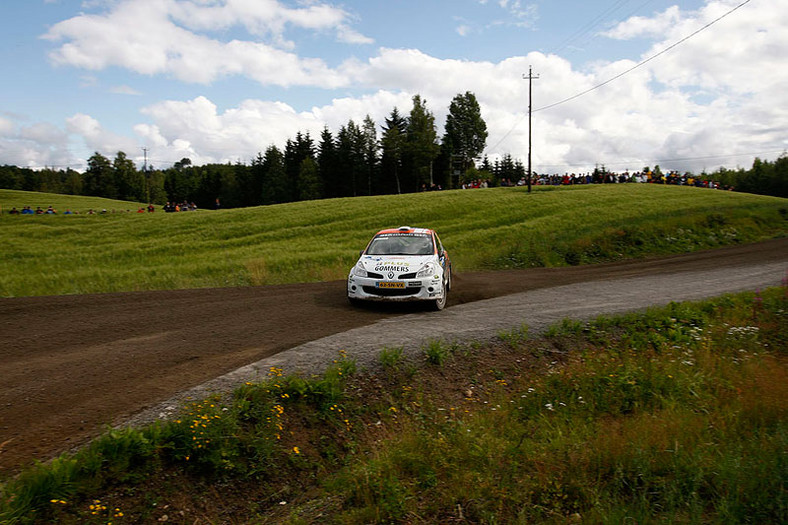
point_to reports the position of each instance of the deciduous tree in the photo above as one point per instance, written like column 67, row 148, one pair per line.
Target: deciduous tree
column 465, row 133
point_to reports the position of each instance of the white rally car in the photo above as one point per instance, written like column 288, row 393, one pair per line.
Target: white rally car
column 402, row 264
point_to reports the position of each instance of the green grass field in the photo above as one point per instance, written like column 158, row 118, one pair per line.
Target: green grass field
column 319, row 240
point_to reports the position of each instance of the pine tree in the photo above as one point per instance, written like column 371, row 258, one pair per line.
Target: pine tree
column 392, row 145
column 421, row 144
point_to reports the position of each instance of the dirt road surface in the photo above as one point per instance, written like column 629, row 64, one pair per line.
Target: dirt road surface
column 71, row 365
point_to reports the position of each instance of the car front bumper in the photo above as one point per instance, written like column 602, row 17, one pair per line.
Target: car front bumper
column 370, row 289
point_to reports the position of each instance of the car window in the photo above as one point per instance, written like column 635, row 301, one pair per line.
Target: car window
column 438, row 243
column 401, row 244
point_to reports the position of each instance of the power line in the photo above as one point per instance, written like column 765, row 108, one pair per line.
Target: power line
column 643, row 62
column 589, row 26
column 616, row 77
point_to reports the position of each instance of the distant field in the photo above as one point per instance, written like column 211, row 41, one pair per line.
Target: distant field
column 77, row 204
column 319, row 240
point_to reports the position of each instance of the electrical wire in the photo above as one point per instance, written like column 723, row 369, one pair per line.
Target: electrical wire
column 589, row 26
column 642, row 62
column 616, row 77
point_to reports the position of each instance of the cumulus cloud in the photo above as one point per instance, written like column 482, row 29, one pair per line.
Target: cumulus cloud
column 641, row 26
column 153, row 37
column 196, row 128
column 96, row 137
column 33, row 145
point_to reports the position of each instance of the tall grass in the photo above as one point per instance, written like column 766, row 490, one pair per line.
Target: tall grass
column 318, row 240
column 685, row 426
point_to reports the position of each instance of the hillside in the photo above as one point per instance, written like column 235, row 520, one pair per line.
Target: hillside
column 490, row 229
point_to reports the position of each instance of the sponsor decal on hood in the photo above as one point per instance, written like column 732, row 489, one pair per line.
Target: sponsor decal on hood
column 395, row 264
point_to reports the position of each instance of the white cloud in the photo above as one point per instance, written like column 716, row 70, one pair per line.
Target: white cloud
column 124, row 90
column 516, row 14
column 97, row 138
column 642, row 27
column 153, row 37
column 525, row 15
column 35, row 145
column 197, row 127
column 6, row 126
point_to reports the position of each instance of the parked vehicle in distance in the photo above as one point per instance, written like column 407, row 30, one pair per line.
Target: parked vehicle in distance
column 402, row 264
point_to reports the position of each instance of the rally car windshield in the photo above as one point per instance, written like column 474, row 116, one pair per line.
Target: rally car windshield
column 401, row 244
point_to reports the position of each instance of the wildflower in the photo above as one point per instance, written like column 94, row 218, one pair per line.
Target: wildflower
column 296, row 450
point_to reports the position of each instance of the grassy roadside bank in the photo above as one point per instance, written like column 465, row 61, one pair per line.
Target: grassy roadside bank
column 318, row 240
column 676, row 414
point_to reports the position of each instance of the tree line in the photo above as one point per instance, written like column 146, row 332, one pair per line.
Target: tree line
column 408, row 156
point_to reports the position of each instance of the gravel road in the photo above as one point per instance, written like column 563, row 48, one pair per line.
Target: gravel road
column 72, row 365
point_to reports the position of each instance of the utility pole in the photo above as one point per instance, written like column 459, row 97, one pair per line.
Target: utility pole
column 530, row 77
column 145, row 169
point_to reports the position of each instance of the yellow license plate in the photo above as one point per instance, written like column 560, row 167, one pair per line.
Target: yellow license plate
column 391, row 285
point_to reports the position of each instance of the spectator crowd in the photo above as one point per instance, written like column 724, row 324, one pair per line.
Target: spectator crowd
column 603, row 177
column 28, row 210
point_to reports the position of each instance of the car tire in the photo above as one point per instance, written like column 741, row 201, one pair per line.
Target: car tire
column 440, row 304
column 355, row 302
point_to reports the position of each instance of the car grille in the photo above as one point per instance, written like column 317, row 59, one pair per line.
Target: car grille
column 408, row 275
column 391, row 292
column 374, row 275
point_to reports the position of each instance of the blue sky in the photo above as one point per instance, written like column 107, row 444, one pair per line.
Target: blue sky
column 221, row 80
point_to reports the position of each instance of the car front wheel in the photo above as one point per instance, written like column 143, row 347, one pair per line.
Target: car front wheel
column 440, row 304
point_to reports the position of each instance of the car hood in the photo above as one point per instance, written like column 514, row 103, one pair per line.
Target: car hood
column 394, row 264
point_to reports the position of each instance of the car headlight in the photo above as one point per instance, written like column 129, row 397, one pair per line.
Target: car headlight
column 358, row 270
column 428, row 270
